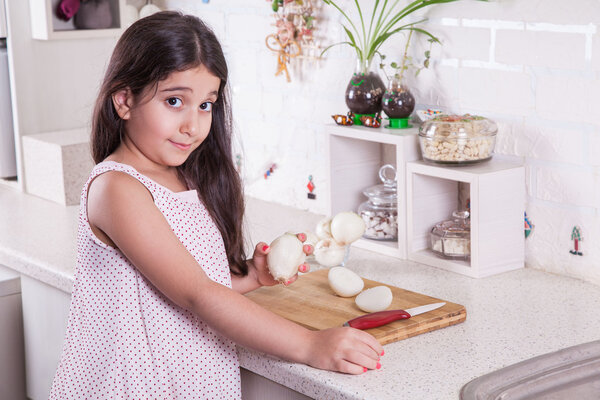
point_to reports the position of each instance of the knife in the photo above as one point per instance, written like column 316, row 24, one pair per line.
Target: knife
column 373, row 320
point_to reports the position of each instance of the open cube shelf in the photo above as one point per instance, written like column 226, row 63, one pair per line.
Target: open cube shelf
column 496, row 194
column 355, row 155
column 45, row 25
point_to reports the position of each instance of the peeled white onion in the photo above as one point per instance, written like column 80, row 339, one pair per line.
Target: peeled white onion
column 311, row 238
column 346, row 227
column 344, row 282
column 329, row 253
column 375, row 299
column 285, row 257
column 323, row 229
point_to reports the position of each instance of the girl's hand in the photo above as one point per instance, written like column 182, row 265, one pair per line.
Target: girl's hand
column 344, row 349
column 259, row 265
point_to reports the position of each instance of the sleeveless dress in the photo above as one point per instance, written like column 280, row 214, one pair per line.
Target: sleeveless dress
column 125, row 339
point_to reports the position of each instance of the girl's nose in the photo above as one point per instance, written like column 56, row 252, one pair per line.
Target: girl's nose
column 189, row 125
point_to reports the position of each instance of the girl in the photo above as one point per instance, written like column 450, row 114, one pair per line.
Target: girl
column 157, row 301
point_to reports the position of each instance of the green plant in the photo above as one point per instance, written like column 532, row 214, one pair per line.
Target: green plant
column 406, row 61
column 385, row 22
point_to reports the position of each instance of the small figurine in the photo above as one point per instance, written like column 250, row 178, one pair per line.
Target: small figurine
column 576, row 237
column 310, row 186
column 238, row 163
column 345, row 120
column 371, row 122
column 528, row 226
column 270, row 170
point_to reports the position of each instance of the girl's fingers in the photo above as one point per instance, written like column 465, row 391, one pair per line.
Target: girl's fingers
column 304, row 267
column 263, row 247
column 372, row 343
column 351, row 368
column 308, row 249
column 290, row 281
column 364, row 356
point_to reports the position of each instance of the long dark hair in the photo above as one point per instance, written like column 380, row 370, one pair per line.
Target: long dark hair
column 147, row 52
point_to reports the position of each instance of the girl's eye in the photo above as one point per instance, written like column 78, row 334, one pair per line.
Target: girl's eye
column 206, row 106
column 174, row 102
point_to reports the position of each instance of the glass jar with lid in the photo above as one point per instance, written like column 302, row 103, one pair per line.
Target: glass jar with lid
column 452, row 238
column 380, row 212
column 457, row 139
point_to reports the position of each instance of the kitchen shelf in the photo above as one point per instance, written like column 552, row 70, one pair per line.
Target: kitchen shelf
column 355, row 155
column 496, row 195
column 46, row 26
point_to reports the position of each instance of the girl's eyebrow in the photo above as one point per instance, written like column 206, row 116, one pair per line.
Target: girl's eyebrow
column 176, row 89
column 180, row 88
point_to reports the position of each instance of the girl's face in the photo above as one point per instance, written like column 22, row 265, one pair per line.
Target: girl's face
column 166, row 126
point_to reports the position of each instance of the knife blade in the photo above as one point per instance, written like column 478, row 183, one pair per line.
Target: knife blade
column 373, row 320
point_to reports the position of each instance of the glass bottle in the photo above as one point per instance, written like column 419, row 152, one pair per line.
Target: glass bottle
column 380, row 212
column 397, row 101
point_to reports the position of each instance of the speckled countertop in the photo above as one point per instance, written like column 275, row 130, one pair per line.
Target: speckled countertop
column 510, row 317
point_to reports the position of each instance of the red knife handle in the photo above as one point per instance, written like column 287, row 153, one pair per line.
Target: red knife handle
column 373, row 320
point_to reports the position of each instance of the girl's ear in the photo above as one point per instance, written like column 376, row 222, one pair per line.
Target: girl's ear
column 123, row 101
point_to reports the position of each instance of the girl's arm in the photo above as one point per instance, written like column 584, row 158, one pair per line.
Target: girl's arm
column 123, row 209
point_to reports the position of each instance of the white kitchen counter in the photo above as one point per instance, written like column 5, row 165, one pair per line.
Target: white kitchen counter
column 510, row 317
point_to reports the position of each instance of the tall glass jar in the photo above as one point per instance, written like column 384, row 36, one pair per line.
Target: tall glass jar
column 365, row 90
column 380, row 212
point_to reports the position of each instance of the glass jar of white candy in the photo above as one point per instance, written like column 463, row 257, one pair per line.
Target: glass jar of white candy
column 457, row 139
column 380, row 212
column 452, row 238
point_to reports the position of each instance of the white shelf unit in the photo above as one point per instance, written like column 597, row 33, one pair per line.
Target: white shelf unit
column 496, row 192
column 45, row 25
column 355, row 155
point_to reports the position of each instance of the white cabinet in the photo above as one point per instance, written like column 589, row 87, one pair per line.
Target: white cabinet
column 256, row 387
column 355, row 155
column 45, row 315
column 496, row 194
column 45, row 25
column 12, row 362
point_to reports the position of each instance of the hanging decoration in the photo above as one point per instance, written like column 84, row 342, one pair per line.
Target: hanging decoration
column 270, row 170
column 311, row 187
column 294, row 20
column 577, row 238
column 528, row 226
column 238, row 163
column 286, row 50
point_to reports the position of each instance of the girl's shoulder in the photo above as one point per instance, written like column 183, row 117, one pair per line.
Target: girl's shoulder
column 119, row 175
column 114, row 183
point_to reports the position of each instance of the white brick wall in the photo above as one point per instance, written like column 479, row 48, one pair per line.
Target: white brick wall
column 530, row 65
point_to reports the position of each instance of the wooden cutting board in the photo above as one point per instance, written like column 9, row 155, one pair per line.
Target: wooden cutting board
column 311, row 303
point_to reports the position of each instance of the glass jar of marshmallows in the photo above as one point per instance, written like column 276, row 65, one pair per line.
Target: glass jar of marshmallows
column 380, row 212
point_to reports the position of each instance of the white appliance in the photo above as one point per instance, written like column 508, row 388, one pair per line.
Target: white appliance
column 8, row 163
column 3, row 29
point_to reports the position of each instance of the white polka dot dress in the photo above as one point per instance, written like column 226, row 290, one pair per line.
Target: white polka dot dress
column 125, row 339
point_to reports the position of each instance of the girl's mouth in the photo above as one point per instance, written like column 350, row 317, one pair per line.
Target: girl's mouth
column 180, row 146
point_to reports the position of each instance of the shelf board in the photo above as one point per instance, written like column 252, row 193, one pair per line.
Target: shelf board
column 379, row 135
column 389, row 248
column 83, row 33
column 428, row 257
column 465, row 172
